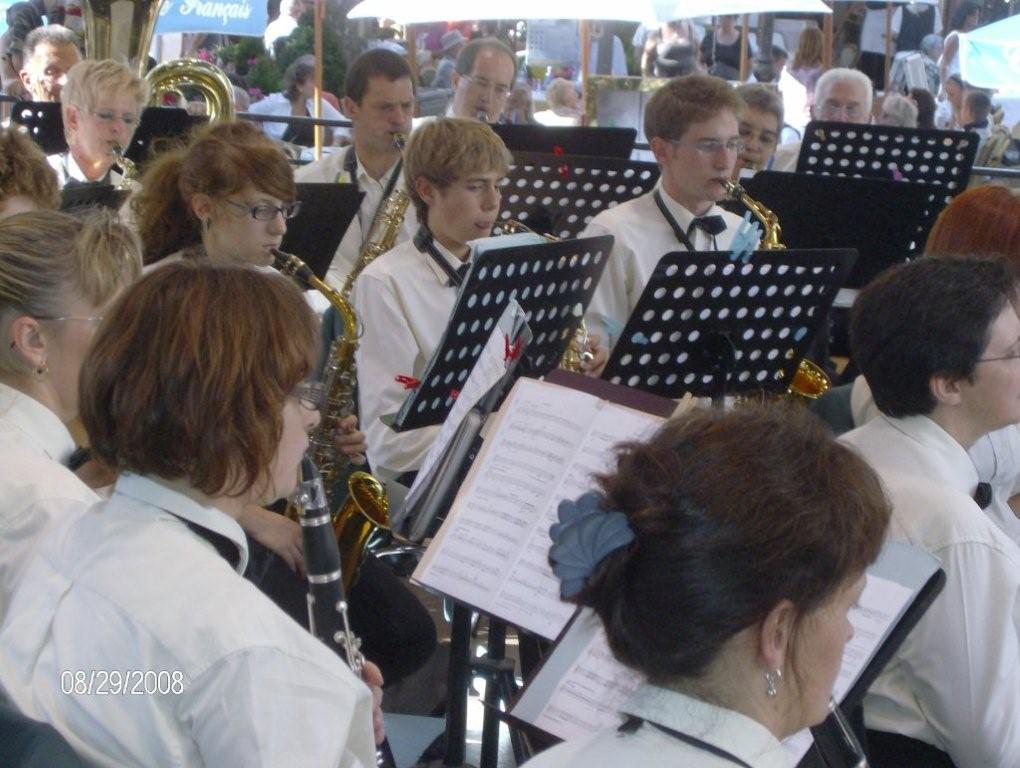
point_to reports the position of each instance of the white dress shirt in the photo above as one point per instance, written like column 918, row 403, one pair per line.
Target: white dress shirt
column 127, row 588
column 34, row 445
column 955, row 682
column 279, row 104
column 67, row 168
column 330, row 170
column 649, row 747
column 996, row 458
column 643, row 236
column 403, row 300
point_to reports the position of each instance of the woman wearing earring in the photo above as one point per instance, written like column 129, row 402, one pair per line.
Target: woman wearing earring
column 58, row 275
column 146, row 586
column 722, row 557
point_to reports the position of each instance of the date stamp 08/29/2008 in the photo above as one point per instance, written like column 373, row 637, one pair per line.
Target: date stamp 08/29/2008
column 115, row 682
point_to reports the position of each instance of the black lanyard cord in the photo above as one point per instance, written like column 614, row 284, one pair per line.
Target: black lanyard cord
column 633, row 723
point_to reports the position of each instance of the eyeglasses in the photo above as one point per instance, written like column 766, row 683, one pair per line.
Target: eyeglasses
column 108, row 116
column 82, row 318
column 711, row 146
column 311, row 394
column 1011, row 356
column 267, row 212
column 833, row 109
column 485, row 85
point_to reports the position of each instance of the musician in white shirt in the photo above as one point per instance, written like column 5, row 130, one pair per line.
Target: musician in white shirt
column 58, row 275
column 144, row 591
column 938, row 341
column 379, row 101
column 692, row 127
column 101, row 103
column 404, row 299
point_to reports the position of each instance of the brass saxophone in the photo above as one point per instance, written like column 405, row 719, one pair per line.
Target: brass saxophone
column 810, row 381
column 382, row 235
column 578, row 352
column 366, row 508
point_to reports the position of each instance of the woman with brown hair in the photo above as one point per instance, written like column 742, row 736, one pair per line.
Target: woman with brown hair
column 58, row 276
column 722, row 557
column 142, row 594
column 807, row 61
column 27, row 183
column 983, row 221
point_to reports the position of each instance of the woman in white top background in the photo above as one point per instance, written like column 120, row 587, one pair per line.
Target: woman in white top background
column 722, row 557
column 57, row 276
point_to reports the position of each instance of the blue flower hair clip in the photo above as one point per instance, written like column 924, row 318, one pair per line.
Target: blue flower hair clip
column 585, row 534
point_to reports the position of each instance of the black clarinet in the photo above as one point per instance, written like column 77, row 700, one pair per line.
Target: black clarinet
column 327, row 603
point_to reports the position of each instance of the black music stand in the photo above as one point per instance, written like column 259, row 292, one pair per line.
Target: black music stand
column 42, row 121
column 568, row 139
column 710, row 326
column 158, row 127
column 943, row 160
column 549, row 280
column 825, row 212
column 559, row 194
column 82, row 198
column 315, row 233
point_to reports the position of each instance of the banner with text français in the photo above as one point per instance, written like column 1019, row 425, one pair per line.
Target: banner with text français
column 225, row 17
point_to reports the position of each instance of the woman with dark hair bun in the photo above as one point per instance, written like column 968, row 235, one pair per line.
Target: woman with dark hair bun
column 722, row 557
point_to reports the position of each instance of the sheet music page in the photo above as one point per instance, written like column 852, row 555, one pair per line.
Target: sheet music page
column 491, row 550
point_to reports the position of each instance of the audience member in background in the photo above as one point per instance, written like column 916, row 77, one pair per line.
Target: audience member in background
column 931, row 51
column 735, row 653
column 806, row 67
column 674, row 59
column 965, row 19
column 974, row 114
column 27, row 183
column 925, row 103
column 284, row 24
column 898, row 110
column 678, row 42
column 296, row 100
column 720, row 50
column 760, row 125
column 564, row 104
column 913, row 22
column 100, row 104
column 519, row 109
column 947, row 114
column 451, row 44
column 47, row 57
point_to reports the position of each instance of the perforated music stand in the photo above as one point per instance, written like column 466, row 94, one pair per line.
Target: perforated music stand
column 940, row 159
column 553, row 282
column 315, row 233
column 42, row 121
column 709, row 326
column 568, row 139
column 80, row 199
column 558, row 194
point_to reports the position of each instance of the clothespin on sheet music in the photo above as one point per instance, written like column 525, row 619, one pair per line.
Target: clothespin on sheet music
column 746, row 240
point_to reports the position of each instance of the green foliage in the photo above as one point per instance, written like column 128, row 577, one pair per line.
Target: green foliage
column 265, row 75
column 301, row 42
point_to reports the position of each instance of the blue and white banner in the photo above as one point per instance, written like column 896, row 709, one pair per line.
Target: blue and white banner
column 225, row 17
column 990, row 56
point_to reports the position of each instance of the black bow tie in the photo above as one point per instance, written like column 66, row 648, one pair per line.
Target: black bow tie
column 710, row 225
column 983, row 495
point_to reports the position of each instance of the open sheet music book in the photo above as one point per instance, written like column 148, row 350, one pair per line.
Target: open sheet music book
column 581, row 687
column 544, row 446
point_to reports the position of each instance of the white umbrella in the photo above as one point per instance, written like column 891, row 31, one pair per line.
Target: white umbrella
column 689, row 9
column 990, row 56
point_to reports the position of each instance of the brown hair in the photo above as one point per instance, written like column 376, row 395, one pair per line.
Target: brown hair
column 24, row 171
column 983, row 221
column 188, row 375
column 221, row 160
column 448, row 149
column 686, row 100
column 47, row 258
column 809, row 49
column 732, row 513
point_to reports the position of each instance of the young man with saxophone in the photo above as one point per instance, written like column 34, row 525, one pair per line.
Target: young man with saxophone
column 380, row 103
column 692, row 126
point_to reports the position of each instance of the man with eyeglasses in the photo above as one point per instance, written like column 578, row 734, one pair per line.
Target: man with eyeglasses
column 48, row 54
column 483, row 79
column 938, row 341
column 101, row 104
column 692, row 125
column 842, row 96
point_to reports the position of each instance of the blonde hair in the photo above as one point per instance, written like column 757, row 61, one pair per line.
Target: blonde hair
column 556, row 92
column 24, row 171
column 809, row 48
column 47, row 257
column 448, row 149
column 89, row 80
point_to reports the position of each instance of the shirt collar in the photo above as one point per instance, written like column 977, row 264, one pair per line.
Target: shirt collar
column 75, row 172
column 452, row 260
column 42, row 428
column 731, row 731
column 953, row 464
column 362, row 174
column 154, row 493
column 683, row 216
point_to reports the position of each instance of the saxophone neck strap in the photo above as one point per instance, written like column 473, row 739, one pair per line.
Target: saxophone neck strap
column 682, row 237
column 425, row 243
column 633, row 723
